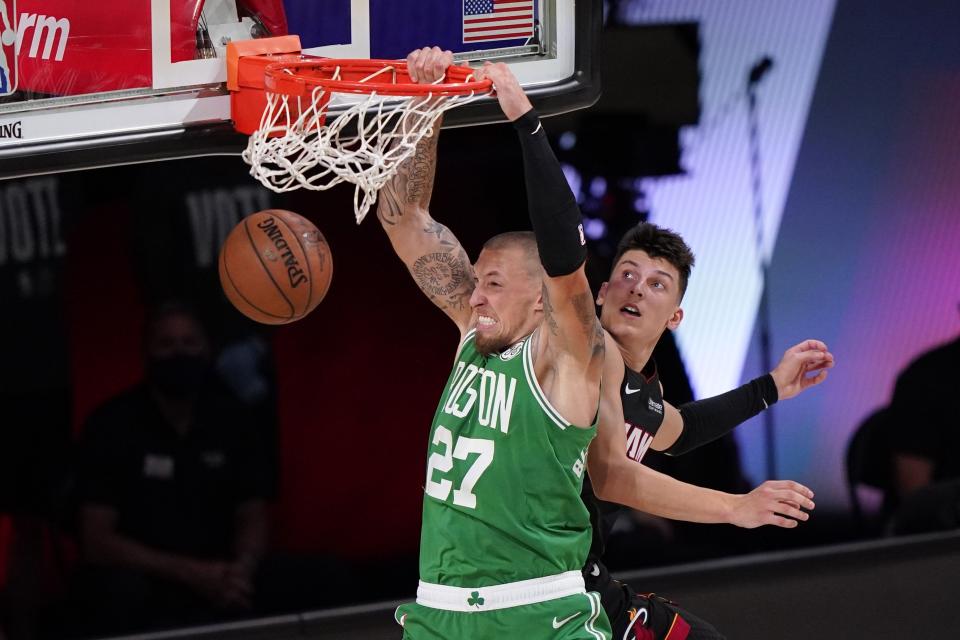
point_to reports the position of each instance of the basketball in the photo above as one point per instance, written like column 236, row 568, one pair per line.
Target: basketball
column 275, row 266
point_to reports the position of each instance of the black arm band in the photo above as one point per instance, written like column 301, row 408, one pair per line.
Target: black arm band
column 706, row 420
column 553, row 208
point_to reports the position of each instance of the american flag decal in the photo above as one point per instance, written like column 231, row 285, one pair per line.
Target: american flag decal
column 486, row 20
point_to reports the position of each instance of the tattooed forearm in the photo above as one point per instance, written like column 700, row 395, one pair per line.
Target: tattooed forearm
column 437, row 262
column 422, row 168
column 388, row 206
column 444, row 276
column 412, row 183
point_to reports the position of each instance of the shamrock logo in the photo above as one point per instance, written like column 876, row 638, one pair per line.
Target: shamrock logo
column 475, row 600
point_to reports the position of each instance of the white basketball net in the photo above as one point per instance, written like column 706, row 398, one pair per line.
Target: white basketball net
column 363, row 145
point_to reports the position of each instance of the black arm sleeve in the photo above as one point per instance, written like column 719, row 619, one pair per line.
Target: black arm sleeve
column 706, row 420
column 553, row 209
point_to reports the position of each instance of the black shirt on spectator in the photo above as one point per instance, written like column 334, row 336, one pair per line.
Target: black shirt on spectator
column 174, row 492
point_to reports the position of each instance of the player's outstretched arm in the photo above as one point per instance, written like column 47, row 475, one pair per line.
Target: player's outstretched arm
column 780, row 503
column 695, row 424
column 616, row 478
column 433, row 255
column 570, row 338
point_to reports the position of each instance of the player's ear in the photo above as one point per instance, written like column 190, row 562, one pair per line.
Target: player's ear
column 675, row 319
column 602, row 294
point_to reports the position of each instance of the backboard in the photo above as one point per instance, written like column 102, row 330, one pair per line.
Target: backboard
column 98, row 84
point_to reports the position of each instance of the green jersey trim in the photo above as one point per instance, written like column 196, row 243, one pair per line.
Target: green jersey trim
column 538, row 393
column 463, row 343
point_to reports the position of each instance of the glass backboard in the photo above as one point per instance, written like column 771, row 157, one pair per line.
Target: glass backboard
column 96, row 84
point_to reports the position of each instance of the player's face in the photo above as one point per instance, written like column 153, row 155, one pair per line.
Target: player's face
column 506, row 302
column 642, row 298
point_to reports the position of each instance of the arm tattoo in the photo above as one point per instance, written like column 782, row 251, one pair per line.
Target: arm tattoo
column 413, row 181
column 389, row 209
column 446, row 238
column 446, row 277
column 599, row 344
column 444, row 272
column 421, row 170
column 583, row 308
column 548, row 313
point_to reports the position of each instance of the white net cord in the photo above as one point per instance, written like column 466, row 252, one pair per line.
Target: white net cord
column 364, row 145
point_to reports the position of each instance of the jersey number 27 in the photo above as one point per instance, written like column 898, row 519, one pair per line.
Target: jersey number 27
column 443, row 462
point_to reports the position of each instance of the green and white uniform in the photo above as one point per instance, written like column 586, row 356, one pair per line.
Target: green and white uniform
column 505, row 533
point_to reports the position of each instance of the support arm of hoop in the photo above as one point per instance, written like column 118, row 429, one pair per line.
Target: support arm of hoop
column 247, row 61
column 258, row 47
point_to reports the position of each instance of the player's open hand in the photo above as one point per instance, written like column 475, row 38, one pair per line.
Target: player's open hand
column 429, row 64
column 780, row 503
column 513, row 100
column 793, row 374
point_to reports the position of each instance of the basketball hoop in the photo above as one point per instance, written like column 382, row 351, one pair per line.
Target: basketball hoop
column 380, row 117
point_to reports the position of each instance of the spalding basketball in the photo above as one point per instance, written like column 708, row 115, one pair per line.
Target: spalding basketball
column 275, row 266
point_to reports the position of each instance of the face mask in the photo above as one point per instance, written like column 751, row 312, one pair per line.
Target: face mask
column 179, row 375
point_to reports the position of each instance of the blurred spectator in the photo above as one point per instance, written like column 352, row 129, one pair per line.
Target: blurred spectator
column 172, row 512
column 926, row 442
column 928, row 450
column 869, row 463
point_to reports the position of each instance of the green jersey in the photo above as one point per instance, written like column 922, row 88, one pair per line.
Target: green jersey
column 504, row 474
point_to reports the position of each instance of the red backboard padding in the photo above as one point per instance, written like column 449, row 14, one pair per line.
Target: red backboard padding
column 78, row 48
